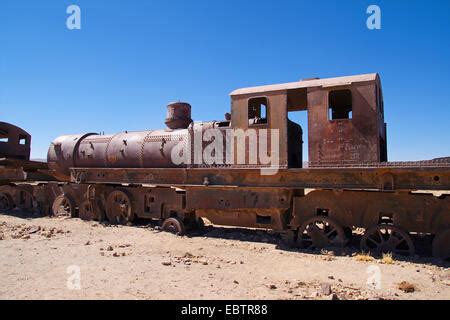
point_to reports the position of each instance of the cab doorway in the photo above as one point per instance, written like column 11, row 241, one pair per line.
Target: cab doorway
column 297, row 127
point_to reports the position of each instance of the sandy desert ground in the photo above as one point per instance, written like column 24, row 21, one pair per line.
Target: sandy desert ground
column 62, row 258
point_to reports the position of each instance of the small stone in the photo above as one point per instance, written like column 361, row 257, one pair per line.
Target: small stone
column 272, row 287
column 331, row 277
column 327, row 258
column 87, row 243
column 15, row 236
column 333, row 296
column 326, row 289
column 407, row 287
column 166, row 263
column 236, row 282
column 110, row 248
column 34, row 230
column 116, row 254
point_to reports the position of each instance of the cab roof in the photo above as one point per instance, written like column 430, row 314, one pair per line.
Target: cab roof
column 307, row 83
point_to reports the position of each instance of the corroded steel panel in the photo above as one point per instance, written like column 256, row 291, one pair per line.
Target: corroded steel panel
column 377, row 178
column 353, row 140
column 14, row 142
column 414, row 212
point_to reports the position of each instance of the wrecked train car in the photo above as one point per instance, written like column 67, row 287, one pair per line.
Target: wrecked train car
column 247, row 170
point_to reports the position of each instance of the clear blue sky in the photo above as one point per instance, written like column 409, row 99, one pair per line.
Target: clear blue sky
column 133, row 57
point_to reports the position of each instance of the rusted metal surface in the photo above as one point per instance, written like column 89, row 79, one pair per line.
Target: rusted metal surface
column 321, row 232
column 27, row 165
column 11, row 174
column 388, row 218
column 36, row 198
column 14, row 146
column 122, row 150
column 306, row 83
column 385, row 238
column 15, row 143
column 415, row 212
column 346, row 139
column 434, row 163
column 15, row 163
column 267, row 208
column 429, row 178
column 14, row 170
column 119, row 207
column 359, row 142
column 357, row 135
column 178, row 115
column 174, row 225
column 64, row 205
column 441, row 247
column 61, row 154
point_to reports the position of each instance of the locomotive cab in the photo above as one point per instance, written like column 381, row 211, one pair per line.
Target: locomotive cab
column 345, row 119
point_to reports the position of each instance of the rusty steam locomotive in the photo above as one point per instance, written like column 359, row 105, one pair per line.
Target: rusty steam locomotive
column 348, row 184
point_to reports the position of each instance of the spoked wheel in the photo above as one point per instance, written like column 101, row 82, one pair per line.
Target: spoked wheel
column 386, row 238
column 441, row 245
column 321, row 232
column 119, row 208
column 63, row 206
column 86, row 211
column 173, row 225
column 6, row 202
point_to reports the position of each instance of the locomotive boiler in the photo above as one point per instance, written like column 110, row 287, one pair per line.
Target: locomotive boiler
column 155, row 148
column 140, row 149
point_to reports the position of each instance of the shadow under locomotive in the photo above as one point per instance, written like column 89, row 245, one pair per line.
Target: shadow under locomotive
column 265, row 236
